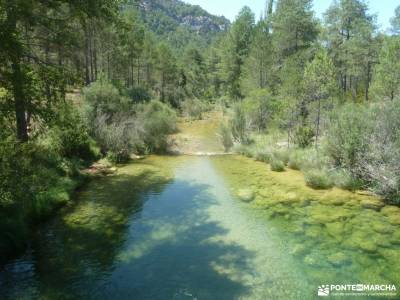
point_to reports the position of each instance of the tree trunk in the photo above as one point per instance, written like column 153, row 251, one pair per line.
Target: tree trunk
column 87, row 73
column 95, row 60
column 138, row 70
column 368, row 82
column 318, row 123
column 91, row 53
column 108, row 66
column 19, row 100
column 162, row 87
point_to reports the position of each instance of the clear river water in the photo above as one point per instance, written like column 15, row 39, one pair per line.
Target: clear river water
column 175, row 228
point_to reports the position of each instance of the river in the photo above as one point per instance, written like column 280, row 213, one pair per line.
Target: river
column 175, row 228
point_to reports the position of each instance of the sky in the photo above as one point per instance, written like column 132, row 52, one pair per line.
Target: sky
column 230, row 8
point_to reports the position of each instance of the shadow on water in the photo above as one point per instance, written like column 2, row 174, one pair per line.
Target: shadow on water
column 141, row 236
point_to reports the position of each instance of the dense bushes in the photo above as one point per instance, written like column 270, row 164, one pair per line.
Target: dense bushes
column 277, row 165
column 346, row 138
column 254, row 113
column 317, row 179
column 303, row 136
column 158, row 121
column 365, row 141
column 360, row 149
column 239, row 124
column 122, row 127
column 194, row 108
column 103, row 98
column 40, row 175
column 68, row 135
column 226, row 137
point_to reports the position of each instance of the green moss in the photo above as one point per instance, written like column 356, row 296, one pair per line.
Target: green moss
column 338, row 259
column 322, row 214
column 368, row 246
column 381, row 227
column 245, row 195
column 334, row 222
column 336, row 230
column 372, row 204
column 298, row 250
column 313, row 231
column 395, row 238
column 361, row 240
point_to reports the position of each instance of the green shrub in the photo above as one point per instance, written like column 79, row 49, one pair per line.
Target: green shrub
column 263, row 155
column 103, row 98
column 118, row 157
column 379, row 163
column 303, row 136
column 194, row 108
column 317, row 179
column 243, row 150
column 239, row 125
column 277, row 165
column 158, row 121
column 33, row 182
column 138, row 94
column 364, row 140
column 344, row 179
column 68, row 136
column 119, row 135
column 282, row 155
column 348, row 135
column 261, row 108
column 121, row 128
column 226, row 137
column 296, row 160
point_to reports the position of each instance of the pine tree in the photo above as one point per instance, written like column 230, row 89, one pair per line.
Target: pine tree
column 387, row 75
column 319, row 85
column 258, row 69
column 294, row 26
column 350, row 39
column 395, row 21
column 237, row 45
column 195, row 73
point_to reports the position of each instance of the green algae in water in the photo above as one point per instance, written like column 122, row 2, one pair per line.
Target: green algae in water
column 336, row 236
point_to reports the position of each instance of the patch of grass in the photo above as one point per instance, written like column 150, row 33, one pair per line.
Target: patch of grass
column 317, row 179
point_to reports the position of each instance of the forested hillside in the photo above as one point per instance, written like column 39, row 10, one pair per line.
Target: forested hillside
column 80, row 81
column 180, row 23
